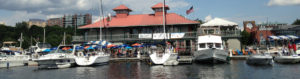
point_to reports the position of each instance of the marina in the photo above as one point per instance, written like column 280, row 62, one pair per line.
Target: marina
column 149, row 39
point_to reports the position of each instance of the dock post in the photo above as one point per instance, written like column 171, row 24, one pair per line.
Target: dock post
column 7, row 65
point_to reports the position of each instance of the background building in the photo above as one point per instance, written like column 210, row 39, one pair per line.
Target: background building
column 71, row 20
column 37, row 22
column 55, row 21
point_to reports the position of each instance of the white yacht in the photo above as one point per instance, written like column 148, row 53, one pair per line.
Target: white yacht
column 63, row 57
column 11, row 56
column 210, row 50
column 260, row 58
column 91, row 57
column 40, row 47
column 293, row 58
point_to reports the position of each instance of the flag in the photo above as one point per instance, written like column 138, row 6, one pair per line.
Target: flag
column 190, row 10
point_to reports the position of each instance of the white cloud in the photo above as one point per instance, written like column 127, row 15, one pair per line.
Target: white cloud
column 19, row 16
column 54, row 16
column 208, row 18
column 283, row 2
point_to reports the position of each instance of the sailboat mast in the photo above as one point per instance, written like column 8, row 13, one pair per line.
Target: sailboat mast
column 100, row 13
column 164, row 23
column 21, row 40
column 44, row 35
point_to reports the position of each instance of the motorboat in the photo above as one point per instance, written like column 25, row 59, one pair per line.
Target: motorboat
column 62, row 57
column 91, row 56
column 287, row 59
column 11, row 56
column 259, row 59
column 40, row 48
column 210, row 50
column 283, row 58
column 166, row 57
column 13, row 59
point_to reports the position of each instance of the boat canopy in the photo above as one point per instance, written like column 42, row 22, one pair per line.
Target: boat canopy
column 102, row 42
column 209, row 39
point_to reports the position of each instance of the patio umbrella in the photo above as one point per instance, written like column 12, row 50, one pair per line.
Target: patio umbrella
column 136, row 44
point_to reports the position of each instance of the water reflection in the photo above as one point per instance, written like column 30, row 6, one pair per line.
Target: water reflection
column 237, row 69
column 128, row 70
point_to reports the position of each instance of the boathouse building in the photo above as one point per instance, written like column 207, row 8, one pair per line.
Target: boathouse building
column 143, row 28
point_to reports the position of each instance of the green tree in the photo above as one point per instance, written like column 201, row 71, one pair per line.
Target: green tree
column 200, row 21
column 296, row 22
column 246, row 38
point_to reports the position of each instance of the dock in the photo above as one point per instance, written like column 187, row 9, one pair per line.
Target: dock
column 239, row 57
column 185, row 59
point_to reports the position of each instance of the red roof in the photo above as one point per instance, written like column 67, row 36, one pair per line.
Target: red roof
column 141, row 20
column 160, row 5
column 121, row 7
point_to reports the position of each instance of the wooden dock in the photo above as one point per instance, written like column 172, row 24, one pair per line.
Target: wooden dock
column 239, row 57
column 185, row 59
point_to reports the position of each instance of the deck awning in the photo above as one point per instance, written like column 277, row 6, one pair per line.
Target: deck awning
column 292, row 37
column 273, row 37
column 283, row 37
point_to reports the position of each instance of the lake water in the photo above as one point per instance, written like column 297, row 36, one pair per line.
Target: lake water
column 237, row 69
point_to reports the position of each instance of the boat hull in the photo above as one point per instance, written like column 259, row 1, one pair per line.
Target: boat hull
column 92, row 60
column 164, row 59
column 211, row 56
column 259, row 60
column 56, row 63
column 287, row 59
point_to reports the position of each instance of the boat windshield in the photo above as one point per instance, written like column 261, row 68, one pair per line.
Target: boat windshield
column 44, row 45
column 218, row 45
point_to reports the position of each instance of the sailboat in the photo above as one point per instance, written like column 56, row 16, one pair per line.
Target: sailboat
column 166, row 56
column 99, row 57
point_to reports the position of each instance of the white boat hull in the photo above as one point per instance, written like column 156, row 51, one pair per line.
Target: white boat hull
column 13, row 61
column 56, row 63
column 211, row 56
column 259, row 60
column 164, row 59
column 91, row 60
column 287, row 59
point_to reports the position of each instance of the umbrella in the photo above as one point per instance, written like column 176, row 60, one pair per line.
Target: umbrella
column 111, row 45
column 136, row 44
column 128, row 47
column 46, row 50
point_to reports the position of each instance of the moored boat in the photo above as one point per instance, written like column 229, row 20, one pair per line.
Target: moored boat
column 210, row 50
column 63, row 57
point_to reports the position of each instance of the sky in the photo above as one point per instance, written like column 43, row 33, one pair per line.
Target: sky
column 282, row 11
